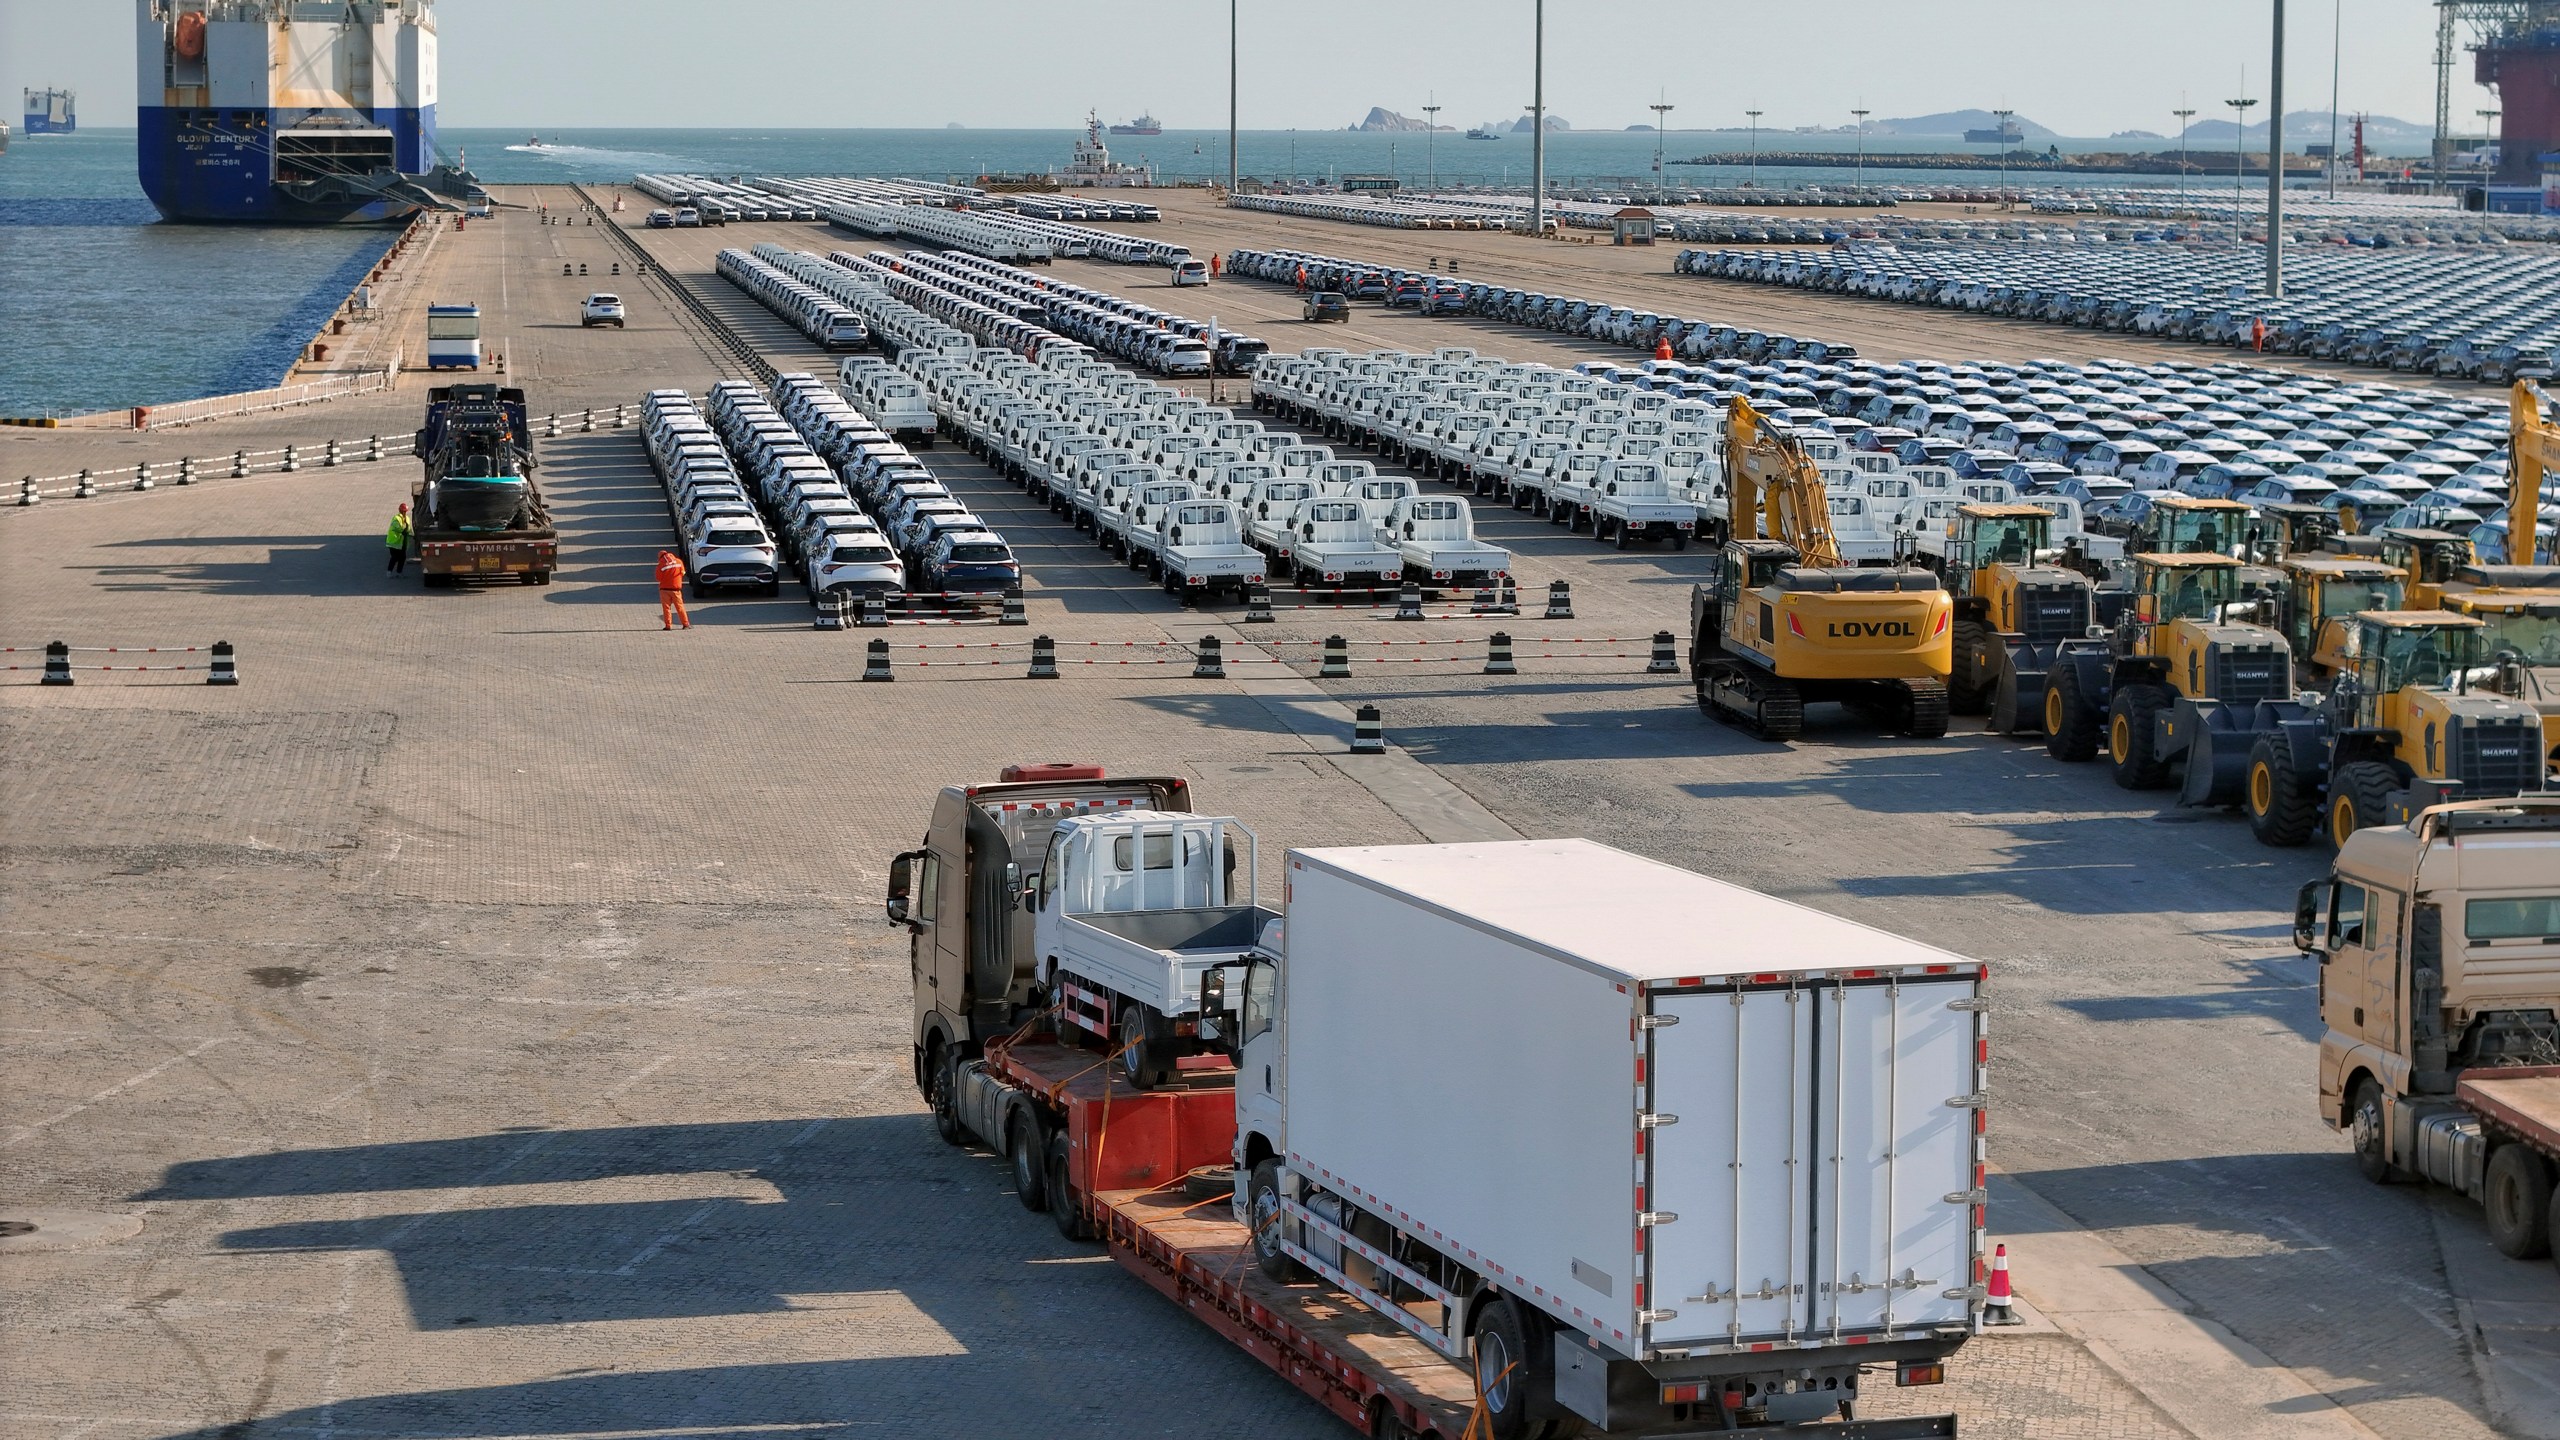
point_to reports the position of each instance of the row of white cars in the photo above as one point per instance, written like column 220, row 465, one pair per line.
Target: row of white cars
column 1201, row 498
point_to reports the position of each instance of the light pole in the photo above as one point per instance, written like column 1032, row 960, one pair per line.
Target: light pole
column 2275, row 162
column 1538, row 125
column 1755, row 144
column 2487, row 117
column 1861, row 171
column 2337, row 48
column 2002, row 117
column 2184, row 114
column 1431, row 141
column 2239, row 162
column 1659, row 110
column 1231, row 97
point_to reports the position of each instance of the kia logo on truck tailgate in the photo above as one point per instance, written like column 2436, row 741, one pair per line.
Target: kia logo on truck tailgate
column 1861, row 629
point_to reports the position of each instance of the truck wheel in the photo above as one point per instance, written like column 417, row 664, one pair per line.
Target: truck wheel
column 2517, row 1197
column 2365, row 1126
column 1141, row 1058
column 945, row 1098
column 2282, row 808
column 2070, row 721
column 1030, row 1159
column 1066, row 1209
column 2133, row 737
column 1262, row 1209
column 2358, row 797
column 1504, row 1372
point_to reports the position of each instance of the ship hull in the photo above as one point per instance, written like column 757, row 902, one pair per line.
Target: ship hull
column 219, row 167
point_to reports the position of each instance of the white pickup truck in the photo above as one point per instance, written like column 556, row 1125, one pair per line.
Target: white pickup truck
column 1333, row 541
column 1094, row 501
column 1636, row 502
column 1572, row 485
column 1198, row 550
column 1129, row 913
column 1268, row 508
column 1133, row 528
column 1437, row 538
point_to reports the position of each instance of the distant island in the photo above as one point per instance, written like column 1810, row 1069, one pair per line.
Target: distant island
column 1382, row 118
column 1524, row 125
column 2050, row 160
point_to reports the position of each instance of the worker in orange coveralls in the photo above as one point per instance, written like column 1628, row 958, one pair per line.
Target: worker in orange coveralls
column 671, row 592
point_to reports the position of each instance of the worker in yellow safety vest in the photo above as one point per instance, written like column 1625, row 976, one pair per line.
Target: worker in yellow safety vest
column 395, row 543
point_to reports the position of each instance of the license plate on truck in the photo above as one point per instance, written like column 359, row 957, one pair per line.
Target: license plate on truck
column 1823, row 1165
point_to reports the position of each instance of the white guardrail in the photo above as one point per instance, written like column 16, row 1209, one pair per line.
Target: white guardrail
column 319, row 454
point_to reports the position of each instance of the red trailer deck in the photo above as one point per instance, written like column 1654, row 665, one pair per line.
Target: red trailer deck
column 1129, row 1154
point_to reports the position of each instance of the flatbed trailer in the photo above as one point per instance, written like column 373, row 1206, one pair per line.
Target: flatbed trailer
column 1146, row 1172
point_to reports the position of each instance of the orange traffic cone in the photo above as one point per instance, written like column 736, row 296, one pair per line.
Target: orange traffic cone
column 1995, row 1306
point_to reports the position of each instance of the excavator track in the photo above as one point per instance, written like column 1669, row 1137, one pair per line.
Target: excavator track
column 1924, row 708
column 1752, row 699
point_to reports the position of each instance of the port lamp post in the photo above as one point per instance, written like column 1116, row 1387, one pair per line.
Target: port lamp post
column 1538, row 124
column 1861, row 171
column 2001, row 119
column 1431, row 141
column 2239, row 164
column 1231, row 96
column 2184, row 115
column 1755, row 143
column 1660, row 112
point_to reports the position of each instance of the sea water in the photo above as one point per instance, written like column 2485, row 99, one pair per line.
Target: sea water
column 104, row 306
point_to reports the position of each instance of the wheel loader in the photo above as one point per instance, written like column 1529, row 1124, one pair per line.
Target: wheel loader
column 2520, row 656
column 1786, row 623
column 2013, row 610
column 2185, row 675
column 2400, row 729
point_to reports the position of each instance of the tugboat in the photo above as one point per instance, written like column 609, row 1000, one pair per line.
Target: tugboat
column 1481, row 133
column 1143, row 125
column 1093, row 164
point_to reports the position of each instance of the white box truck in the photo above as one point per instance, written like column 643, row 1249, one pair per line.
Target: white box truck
column 1642, row 1147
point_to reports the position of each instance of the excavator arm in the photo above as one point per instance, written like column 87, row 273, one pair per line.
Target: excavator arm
column 2533, row 450
column 1773, row 490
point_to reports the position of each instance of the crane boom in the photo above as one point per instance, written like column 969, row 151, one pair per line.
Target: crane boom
column 2533, row 458
column 1773, row 490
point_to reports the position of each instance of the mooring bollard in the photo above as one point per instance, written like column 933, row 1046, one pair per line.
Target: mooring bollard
column 1497, row 655
column 875, row 661
column 329, row 457
column 239, row 464
column 1014, row 612
column 186, row 469
column 875, row 610
column 1211, row 664
column 1368, row 733
column 1337, row 659
column 142, row 476
column 373, row 447
column 1409, row 602
column 57, row 662
column 1044, row 658
column 1666, row 655
column 224, row 670
column 291, row 460
column 1559, row 600
column 1257, row 604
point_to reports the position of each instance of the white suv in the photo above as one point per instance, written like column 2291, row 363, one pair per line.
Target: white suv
column 601, row 310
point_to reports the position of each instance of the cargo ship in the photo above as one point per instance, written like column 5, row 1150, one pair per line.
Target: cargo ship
column 52, row 112
column 1143, row 125
column 287, row 112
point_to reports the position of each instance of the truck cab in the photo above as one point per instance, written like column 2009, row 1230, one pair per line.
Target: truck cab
column 2438, row 943
column 971, row 963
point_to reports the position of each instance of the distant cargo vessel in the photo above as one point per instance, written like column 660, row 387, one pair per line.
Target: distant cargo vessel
column 1995, row 137
column 52, row 112
column 288, row 112
column 1481, row 133
column 1143, row 125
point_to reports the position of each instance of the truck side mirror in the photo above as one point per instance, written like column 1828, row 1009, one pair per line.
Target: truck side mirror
column 1213, row 991
column 2310, row 907
column 901, row 885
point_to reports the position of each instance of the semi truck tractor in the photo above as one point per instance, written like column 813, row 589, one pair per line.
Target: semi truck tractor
column 476, row 512
column 1510, row 1143
column 2439, row 950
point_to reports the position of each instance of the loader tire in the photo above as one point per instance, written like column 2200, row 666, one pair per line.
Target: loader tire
column 1968, row 693
column 2071, row 723
column 2359, row 795
column 2516, row 1196
column 2133, row 737
column 2283, row 806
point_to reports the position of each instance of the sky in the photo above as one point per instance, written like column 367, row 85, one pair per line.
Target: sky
column 2077, row 66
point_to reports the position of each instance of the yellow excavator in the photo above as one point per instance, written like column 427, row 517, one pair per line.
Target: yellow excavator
column 2533, row 461
column 1787, row 622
